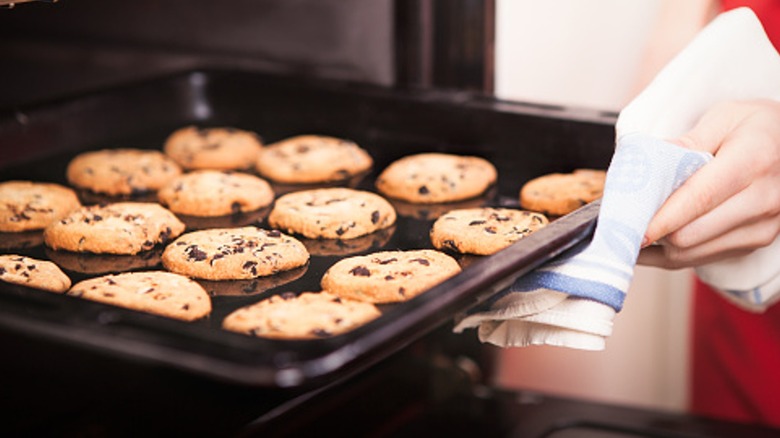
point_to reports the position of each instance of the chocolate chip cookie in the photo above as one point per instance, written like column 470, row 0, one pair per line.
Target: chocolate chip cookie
column 215, row 193
column 483, row 231
column 435, row 177
column 119, row 228
column 233, row 253
column 28, row 205
column 157, row 292
column 34, row 273
column 334, row 213
column 308, row 159
column 220, row 148
column 310, row 315
column 557, row 194
column 388, row 276
column 118, row 172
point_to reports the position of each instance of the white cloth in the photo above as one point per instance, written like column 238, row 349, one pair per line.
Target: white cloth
column 571, row 302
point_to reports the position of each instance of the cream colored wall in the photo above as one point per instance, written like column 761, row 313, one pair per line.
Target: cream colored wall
column 571, row 52
column 589, row 53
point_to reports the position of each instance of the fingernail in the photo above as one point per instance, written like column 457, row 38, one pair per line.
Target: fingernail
column 645, row 242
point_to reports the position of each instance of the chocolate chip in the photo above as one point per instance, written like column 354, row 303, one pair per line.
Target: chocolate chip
column 235, row 207
column 195, row 253
column 2, row 270
column 402, row 291
column 185, row 307
column 250, row 266
column 423, row 190
column 287, row 295
column 386, row 261
column 274, row 233
column 479, row 222
column 375, row 216
column 423, row 262
column 360, row 271
column 388, row 277
column 216, row 257
column 490, row 230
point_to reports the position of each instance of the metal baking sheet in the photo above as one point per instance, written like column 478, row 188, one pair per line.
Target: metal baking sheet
column 521, row 140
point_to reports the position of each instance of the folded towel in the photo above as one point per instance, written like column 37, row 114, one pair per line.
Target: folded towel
column 572, row 301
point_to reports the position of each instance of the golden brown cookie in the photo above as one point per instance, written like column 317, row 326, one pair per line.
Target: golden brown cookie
column 215, row 193
column 213, row 148
column 30, row 272
column 121, row 171
column 434, row 177
column 27, row 205
column 388, row 276
column 157, row 292
column 557, row 194
column 483, row 231
column 310, row 315
column 312, row 159
column 336, row 213
column 233, row 253
column 120, row 228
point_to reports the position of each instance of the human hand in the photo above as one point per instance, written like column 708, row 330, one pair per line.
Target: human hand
column 731, row 206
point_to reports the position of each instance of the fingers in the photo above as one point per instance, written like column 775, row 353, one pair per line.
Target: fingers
column 758, row 202
column 731, row 206
column 735, row 243
column 709, row 187
column 736, row 164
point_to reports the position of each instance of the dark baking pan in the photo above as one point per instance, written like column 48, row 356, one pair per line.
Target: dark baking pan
column 523, row 141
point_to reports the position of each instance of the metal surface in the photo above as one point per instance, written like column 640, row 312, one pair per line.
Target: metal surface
column 522, row 141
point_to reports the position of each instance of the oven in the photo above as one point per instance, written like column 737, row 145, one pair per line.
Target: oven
column 397, row 77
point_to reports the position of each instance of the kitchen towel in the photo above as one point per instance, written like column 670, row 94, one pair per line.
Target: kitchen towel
column 572, row 301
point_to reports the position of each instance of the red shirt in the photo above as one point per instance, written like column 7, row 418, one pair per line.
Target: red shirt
column 736, row 353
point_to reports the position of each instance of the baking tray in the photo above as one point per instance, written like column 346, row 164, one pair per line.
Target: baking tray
column 521, row 140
